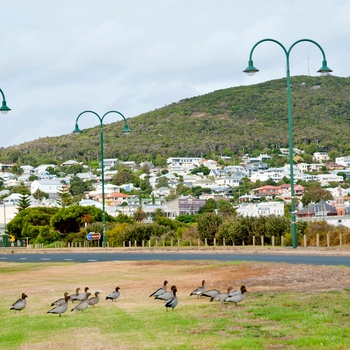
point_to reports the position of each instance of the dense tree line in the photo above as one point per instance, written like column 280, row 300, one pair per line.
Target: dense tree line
column 68, row 225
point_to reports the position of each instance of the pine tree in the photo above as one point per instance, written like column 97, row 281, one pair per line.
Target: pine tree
column 65, row 197
column 23, row 202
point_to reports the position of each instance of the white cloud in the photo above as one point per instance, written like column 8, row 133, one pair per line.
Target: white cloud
column 58, row 60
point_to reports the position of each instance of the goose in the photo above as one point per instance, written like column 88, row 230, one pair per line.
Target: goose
column 212, row 293
column 61, row 308
column 82, row 296
column 236, row 296
column 94, row 300
column 167, row 295
column 172, row 302
column 222, row 296
column 60, row 301
column 20, row 304
column 74, row 296
column 160, row 290
column 83, row 304
column 114, row 295
column 200, row 290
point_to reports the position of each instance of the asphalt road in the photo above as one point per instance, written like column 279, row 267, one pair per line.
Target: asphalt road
column 171, row 256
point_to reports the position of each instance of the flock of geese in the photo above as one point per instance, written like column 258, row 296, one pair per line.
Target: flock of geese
column 86, row 299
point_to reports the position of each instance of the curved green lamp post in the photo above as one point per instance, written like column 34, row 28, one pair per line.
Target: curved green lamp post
column 324, row 70
column 3, row 109
column 77, row 131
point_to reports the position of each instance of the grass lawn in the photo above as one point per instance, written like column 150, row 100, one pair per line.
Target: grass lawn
column 282, row 309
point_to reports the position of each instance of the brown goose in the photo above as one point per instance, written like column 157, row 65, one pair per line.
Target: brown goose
column 94, row 300
column 114, row 295
column 212, row 293
column 172, row 302
column 74, row 296
column 82, row 296
column 61, row 308
column 20, row 304
column 236, row 296
column 200, row 290
column 160, row 290
column 60, row 301
column 83, row 304
column 222, row 296
column 167, row 295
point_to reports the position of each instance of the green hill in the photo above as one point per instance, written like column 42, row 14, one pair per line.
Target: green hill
column 237, row 120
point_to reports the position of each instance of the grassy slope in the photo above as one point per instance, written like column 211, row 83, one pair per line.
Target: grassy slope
column 264, row 320
column 243, row 119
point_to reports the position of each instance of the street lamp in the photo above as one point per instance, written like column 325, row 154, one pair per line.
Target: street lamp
column 4, row 109
column 324, row 70
column 77, row 131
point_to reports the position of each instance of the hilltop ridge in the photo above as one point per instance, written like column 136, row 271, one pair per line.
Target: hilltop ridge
column 231, row 121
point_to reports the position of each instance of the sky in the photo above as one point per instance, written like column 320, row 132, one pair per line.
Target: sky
column 59, row 58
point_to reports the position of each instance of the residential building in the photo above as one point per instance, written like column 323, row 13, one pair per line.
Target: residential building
column 49, row 186
column 320, row 157
column 190, row 205
column 261, row 209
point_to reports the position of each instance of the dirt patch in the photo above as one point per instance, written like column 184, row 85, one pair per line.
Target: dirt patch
column 49, row 281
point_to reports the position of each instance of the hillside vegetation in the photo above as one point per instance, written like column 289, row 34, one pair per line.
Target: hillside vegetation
column 233, row 121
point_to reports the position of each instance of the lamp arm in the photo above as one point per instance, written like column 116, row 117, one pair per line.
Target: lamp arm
column 310, row 41
column 88, row 111
column 3, row 95
column 125, row 123
column 263, row 40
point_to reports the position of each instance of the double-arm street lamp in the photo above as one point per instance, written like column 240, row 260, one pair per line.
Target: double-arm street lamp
column 324, row 70
column 125, row 130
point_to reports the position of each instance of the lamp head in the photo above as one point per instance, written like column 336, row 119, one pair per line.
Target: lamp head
column 76, row 129
column 4, row 109
column 324, row 70
column 251, row 70
column 126, row 129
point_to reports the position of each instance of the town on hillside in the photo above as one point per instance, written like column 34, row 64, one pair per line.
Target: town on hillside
column 183, row 187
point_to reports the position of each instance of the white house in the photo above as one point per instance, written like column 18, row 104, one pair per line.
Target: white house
column 261, row 209
column 320, row 157
column 50, row 186
column 325, row 179
column 343, row 161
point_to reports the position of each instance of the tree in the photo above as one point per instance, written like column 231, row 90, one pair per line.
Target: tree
column 201, row 169
column 16, row 169
column 209, row 206
column 225, row 207
column 70, row 219
column 20, row 189
column 123, row 177
column 38, row 194
column 23, row 202
column 208, row 225
column 27, row 222
column 139, row 215
column 158, row 213
column 77, row 186
column 65, row 198
column 315, row 193
column 162, row 182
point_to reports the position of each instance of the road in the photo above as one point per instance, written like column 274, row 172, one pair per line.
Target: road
column 176, row 256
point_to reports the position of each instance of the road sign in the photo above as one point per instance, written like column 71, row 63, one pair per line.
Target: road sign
column 93, row 236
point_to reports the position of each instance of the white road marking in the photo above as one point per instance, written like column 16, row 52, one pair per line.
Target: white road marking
column 92, row 260
column 45, row 259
